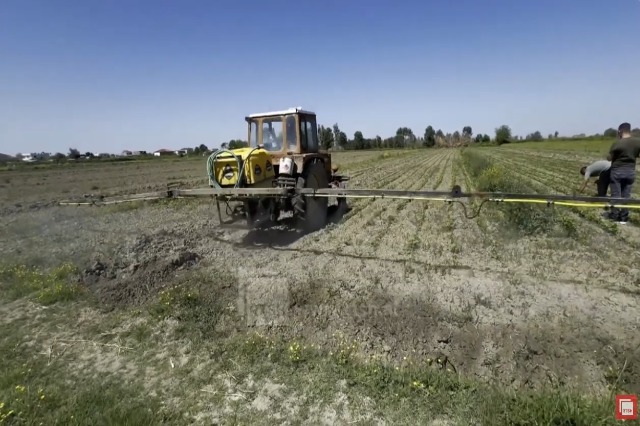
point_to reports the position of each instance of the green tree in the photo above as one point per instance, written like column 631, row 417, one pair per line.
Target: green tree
column 467, row 131
column 237, row 143
column 486, row 138
column 635, row 132
column 358, row 140
column 503, row 134
column 478, row 138
column 378, row 141
column 404, row 137
column 325, row 136
column 336, row 134
column 535, row 136
column 343, row 141
column 429, row 137
column 610, row 133
column 74, row 153
column 555, row 135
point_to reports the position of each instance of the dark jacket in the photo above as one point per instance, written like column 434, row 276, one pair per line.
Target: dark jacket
column 624, row 152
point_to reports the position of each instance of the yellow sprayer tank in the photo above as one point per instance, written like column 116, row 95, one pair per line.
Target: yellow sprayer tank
column 258, row 171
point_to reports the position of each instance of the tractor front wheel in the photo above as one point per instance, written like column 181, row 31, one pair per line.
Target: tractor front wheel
column 313, row 208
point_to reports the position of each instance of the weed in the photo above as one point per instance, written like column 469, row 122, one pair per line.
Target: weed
column 198, row 304
column 414, row 243
column 569, row 225
column 47, row 288
column 610, row 227
column 345, row 352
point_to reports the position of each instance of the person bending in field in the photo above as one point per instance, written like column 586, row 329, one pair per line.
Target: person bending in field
column 601, row 170
column 623, row 154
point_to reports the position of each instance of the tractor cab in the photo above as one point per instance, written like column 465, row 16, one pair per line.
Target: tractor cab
column 281, row 133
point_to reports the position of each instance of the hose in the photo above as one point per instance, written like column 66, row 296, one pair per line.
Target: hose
column 567, row 203
column 213, row 180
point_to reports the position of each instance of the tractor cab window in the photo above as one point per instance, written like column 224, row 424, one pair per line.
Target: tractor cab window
column 309, row 135
column 272, row 134
column 253, row 134
column 292, row 139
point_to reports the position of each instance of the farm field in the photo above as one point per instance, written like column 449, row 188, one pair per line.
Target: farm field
column 400, row 311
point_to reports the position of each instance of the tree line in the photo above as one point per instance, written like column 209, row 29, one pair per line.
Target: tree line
column 333, row 137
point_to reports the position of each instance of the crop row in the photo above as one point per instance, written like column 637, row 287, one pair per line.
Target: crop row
column 371, row 218
column 547, row 182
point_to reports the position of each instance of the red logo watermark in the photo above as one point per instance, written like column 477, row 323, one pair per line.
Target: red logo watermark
column 626, row 407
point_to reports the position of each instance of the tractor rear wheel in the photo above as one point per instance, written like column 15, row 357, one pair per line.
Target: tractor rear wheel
column 314, row 208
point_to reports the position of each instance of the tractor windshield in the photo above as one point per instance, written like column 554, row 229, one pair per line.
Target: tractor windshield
column 272, row 133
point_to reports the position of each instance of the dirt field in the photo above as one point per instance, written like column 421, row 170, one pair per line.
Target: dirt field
column 397, row 312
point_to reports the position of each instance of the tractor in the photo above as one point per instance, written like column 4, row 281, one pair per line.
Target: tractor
column 283, row 154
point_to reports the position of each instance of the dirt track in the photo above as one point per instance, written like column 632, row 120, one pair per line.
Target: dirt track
column 402, row 278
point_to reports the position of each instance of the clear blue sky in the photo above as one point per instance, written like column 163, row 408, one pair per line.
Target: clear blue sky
column 110, row 75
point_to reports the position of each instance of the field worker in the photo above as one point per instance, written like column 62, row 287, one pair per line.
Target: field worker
column 623, row 154
column 600, row 169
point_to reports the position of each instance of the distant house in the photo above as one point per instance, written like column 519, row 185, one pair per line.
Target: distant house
column 34, row 156
column 139, row 153
column 162, row 152
column 126, row 153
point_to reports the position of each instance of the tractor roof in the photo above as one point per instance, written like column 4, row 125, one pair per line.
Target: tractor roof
column 296, row 110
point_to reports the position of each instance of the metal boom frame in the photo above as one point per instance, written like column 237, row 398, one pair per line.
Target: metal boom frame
column 456, row 194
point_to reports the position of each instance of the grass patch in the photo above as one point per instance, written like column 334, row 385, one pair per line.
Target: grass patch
column 198, row 304
column 418, row 391
column 596, row 146
column 526, row 218
column 36, row 387
column 44, row 287
column 37, row 390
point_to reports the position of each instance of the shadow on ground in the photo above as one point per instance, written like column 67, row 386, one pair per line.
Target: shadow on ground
column 285, row 233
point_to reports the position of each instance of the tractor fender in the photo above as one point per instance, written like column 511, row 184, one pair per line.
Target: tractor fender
column 305, row 161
